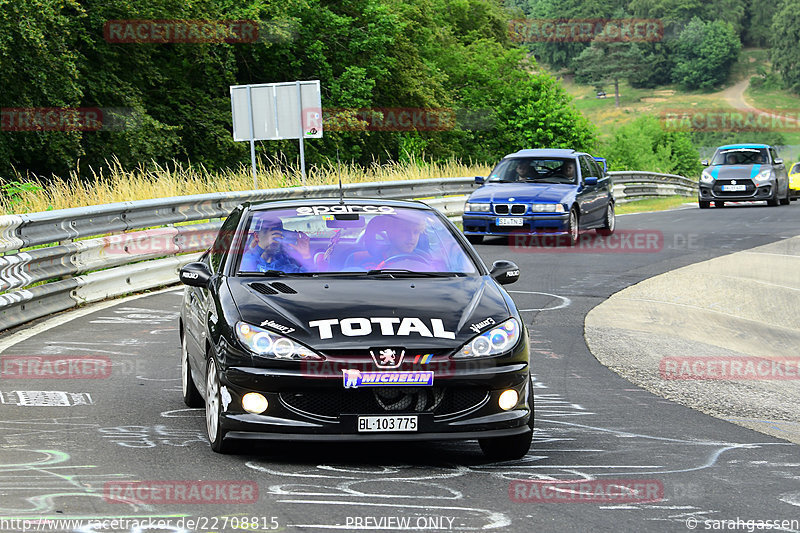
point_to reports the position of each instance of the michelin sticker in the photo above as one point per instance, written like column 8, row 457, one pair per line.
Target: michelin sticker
column 354, row 379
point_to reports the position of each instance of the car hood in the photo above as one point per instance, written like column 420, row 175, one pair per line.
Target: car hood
column 523, row 192
column 409, row 313
column 727, row 172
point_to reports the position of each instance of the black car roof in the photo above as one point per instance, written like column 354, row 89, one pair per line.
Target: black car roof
column 545, row 152
column 274, row 204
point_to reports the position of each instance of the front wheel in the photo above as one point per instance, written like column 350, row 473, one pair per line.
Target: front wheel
column 191, row 396
column 785, row 200
column 610, row 222
column 507, row 448
column 703, row 205
column 475, row 239
column 719, row 204
column 216, row 435
column 572, row 228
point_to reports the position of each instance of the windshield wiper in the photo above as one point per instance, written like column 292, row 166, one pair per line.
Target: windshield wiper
column 276, row 273
column 402, row 272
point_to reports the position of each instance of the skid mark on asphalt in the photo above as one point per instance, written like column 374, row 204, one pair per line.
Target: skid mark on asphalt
column 566, row 446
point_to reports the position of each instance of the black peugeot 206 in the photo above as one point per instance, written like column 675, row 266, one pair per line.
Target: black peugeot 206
column 363, row 320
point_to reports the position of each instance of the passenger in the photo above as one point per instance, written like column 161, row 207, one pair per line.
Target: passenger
column 269, row 250
column 568, row 170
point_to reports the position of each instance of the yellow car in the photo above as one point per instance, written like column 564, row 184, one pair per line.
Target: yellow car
column 794, row 181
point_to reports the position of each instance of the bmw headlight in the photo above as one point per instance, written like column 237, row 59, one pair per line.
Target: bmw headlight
column 500, row 339
column 265, row 343
column 764, row 175
column 547, row 208
column 706, row 177
column 481, row 208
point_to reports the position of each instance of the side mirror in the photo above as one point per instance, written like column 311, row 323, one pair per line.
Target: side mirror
column 704, row 162
column 195, row 274
column 505, row 272
column 591, row 180
column 779, row 161
column 479, row 180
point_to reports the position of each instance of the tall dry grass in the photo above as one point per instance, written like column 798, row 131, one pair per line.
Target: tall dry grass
column 116, row 184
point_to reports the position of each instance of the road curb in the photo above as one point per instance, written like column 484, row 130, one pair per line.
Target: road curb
column 732, row 308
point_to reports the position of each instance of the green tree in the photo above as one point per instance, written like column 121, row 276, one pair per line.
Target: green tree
column 606, row 62
column 705, row 53
column 784, row 51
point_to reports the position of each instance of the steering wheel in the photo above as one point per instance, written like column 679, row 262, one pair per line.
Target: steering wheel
column 419, row 258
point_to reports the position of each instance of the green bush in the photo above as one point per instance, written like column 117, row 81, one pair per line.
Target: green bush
column 644, row 144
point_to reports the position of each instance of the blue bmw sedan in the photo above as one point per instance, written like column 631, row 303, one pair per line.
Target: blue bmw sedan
column 541, row 191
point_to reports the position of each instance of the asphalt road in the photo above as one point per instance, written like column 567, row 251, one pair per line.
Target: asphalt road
column 67, row 453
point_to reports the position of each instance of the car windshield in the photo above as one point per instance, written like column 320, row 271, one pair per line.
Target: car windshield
column 535, row 170
column 370, row 239
column 741, row 156
column 795, row 168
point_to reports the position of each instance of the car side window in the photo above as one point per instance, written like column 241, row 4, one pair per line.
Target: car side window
column 598, row 171
column 223, row 241
column 586, row 169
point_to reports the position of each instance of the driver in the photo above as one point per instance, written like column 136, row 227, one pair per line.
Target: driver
column 268, row 249
column 569, row 170
column 402, row 235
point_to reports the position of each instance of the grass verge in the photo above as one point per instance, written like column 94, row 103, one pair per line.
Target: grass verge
column 117, row 184
column 652, row 204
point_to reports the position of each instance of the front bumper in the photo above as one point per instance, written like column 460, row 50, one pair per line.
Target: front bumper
column 486, row 224
column 463, row 404
column 753, row 192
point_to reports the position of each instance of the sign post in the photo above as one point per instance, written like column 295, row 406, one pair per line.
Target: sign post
column 274, row 111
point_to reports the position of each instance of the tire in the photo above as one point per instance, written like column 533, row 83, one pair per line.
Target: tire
column 703, row 205
column 719, row 204
column 513, row 447
column 475, row 239
column 775, row 201
column 785, row 200
column 507, row 448
column 216, row 435
column 191, row 396
column 573, row 228
column 611, row 221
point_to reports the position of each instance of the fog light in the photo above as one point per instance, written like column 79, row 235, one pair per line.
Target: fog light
column 508, row 400
column 255, row 403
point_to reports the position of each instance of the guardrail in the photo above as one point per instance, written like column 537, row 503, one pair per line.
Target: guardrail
column 69, row 272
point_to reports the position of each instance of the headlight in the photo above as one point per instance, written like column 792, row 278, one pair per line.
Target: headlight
column 547, row 208
column 706, row 177
column 764, row 175
column 496, row 341
column 483, row 207
column 265, row 343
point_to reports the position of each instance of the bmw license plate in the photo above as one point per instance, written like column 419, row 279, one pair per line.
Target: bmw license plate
column 386, row 423
column 733, row 188
column 509, row 221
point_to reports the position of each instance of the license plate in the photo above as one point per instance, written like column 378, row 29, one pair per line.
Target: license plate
column 386, row 423
column 733, row 188
column 509, row 221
